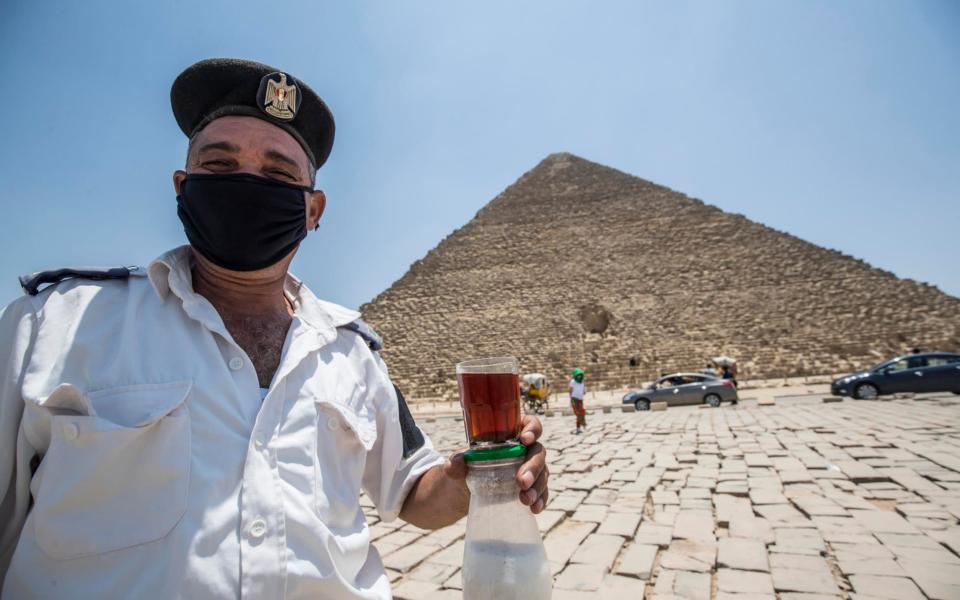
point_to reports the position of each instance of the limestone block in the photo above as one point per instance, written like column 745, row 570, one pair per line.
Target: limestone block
column 743, row 554
column 638, row 560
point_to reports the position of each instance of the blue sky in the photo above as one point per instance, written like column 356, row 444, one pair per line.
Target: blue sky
column 834, row 121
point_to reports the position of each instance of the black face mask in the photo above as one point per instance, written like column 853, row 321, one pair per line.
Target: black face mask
column 242, row 222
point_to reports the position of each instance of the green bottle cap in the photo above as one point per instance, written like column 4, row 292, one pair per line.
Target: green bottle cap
column 499, row 453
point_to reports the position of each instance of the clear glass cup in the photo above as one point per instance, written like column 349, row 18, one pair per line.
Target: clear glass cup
column 490, row 399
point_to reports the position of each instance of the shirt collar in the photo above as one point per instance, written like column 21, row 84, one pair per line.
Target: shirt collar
column 167, row 270
column 171, row 272
column 316, row 312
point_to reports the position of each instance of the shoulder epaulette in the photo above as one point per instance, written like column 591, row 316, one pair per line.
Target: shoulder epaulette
column 31, row 283
column 374, row 341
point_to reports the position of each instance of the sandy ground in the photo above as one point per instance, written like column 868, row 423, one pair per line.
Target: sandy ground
column 748, row 391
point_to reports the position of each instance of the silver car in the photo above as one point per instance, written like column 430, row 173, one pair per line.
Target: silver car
column 684, row 388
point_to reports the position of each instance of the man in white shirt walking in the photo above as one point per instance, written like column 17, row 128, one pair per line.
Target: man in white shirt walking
column 203, row 427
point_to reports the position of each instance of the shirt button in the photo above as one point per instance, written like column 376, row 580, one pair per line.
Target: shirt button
column 258, row 528
column 70, row 431
column 236, row 363
column 258, row 441
column 331, row 424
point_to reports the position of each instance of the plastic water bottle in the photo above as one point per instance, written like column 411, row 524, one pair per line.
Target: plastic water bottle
column 503, row 556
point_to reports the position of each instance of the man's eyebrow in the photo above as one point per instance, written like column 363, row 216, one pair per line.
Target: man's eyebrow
column 283, row 158
column 227, row 146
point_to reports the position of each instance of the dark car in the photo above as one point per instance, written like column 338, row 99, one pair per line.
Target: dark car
column 684, row 388
column 926, row 372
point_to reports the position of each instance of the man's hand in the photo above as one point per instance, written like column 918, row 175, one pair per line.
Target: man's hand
column 441, row 498
column 532, row 475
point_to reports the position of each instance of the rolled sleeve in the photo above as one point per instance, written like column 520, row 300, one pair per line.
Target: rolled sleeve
column 17, row 329
column 393, row 466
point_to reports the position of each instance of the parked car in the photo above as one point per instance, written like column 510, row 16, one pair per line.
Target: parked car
column 684, row 388
column 926, row 372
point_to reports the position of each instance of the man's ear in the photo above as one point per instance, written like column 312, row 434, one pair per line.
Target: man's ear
column 178, row 177
column 316, row 203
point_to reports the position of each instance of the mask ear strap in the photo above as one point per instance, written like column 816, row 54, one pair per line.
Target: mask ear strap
column 310, row 191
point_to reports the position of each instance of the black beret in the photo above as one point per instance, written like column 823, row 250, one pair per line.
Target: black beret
column 218, row 87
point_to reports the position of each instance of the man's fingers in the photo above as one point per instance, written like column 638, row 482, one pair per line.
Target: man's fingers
column 533, row 474
column 536, row 491
column 455, row 467
column 541, row 502
column 532, row 428
column 530, row 470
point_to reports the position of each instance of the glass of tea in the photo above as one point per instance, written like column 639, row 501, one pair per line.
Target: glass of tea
column 490, row 398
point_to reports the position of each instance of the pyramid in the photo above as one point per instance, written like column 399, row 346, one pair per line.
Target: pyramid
column 578, row 264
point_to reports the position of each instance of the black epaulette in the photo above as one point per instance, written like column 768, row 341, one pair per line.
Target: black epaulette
column 374, row 341
column 413, row 438
column 31, row 283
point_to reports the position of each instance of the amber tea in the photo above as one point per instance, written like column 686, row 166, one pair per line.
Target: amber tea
column 490, row 397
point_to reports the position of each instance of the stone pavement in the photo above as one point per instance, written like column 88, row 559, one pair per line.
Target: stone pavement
column 795, row 501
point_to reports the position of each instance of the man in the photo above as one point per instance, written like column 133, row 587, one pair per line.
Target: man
column 202, row 428
column 577, row 394
column 729, row 374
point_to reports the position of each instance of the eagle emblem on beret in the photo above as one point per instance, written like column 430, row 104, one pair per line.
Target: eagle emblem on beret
column 278, row 98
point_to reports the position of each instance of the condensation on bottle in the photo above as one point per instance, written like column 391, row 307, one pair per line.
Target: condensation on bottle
column 503, row 556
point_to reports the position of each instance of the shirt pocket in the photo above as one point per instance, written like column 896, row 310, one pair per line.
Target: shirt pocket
column 343, row 439
column 117, row 476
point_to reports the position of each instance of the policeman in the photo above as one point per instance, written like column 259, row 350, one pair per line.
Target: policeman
column 203, row 427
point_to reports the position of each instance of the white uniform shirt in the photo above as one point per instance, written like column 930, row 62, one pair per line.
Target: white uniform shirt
column 161, row 472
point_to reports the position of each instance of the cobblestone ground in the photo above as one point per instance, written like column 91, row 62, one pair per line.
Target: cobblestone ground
column 795, row 501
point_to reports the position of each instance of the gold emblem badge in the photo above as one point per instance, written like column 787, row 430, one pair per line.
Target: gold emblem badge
column 280, row 99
